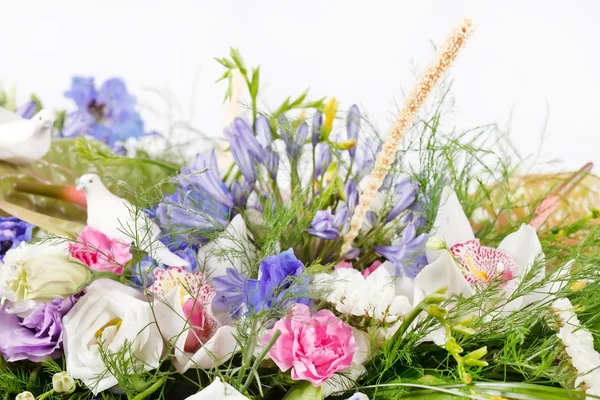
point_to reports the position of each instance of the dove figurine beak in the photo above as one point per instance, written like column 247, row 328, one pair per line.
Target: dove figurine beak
column 48, row 124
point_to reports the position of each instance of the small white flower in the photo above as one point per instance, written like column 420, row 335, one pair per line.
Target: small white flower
column 25, row 396
column 113, row 314
column 62, row 382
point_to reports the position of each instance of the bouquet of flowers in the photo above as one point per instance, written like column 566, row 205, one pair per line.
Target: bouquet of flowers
column 325, row 262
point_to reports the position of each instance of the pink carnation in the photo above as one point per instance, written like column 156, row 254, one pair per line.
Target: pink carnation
column 371, row 269
column 99, row 252
column 314, row 347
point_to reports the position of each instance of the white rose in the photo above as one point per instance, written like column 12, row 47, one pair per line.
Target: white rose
column 112, row 313
column 41, row 271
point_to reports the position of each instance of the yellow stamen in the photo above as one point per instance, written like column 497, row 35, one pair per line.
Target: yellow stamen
column 479, row 274
column 116, row 322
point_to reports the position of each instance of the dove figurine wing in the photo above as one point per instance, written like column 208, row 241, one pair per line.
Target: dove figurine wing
column 23, row 141
column 8, row 116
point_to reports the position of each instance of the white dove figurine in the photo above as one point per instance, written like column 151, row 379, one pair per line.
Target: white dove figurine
column 23, row 141
column 116, row 218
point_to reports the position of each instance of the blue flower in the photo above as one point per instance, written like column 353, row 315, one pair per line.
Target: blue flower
column 203, row 174
column 13, row 232
column 108, row 115
column 276, row 286
column 326, row 226
column 352, row 195
column 406, row 255
column 264, row 134
column 294, row 141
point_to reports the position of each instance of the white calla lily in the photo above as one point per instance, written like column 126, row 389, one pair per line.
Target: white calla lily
column 218, row 390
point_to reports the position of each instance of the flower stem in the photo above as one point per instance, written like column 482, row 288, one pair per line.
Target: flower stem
column 261, row 357
column 47, row 394
column 155, row 386
column 408, row 321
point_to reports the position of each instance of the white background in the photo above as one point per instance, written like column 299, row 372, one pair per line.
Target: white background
column 537, row 58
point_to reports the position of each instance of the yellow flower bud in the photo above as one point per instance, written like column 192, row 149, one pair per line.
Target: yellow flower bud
column 330, row 111
column 345, row 144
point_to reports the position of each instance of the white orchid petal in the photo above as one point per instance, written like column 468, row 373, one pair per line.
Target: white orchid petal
column 213, row 353
column 440, row 273
column 525, row 249
column 451, row 224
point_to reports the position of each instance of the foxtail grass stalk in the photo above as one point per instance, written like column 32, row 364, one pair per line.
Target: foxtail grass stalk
column 415, row 100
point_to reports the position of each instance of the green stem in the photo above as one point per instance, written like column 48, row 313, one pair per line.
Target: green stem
column 47, row 394
column 33, row 376
column 229, row 171
column 312, row 184
column 261, row 357
column 247, row 356
column 162, row 164
column 408, row 321
column 155, row 386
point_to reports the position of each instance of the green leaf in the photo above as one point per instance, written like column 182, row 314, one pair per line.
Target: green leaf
column 304, row 390
column 238, row 60
column 52, row 225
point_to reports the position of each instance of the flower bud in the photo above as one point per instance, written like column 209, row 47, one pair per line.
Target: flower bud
column 435, row 298
column 452, row 347
column 434, row 244
column 468, row 321
column 475, row 363
column 25, row 396
column 345, row 144
column 476, row 354
column 62, row 382
column 437, row 311
column 330, row 112
column 578, row 285
column 463, row 330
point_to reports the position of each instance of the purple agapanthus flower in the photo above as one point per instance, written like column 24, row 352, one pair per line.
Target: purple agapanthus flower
column 353, row 126
column 203, row 173
column 108, row 114
column 405, row 195
column 352, row 195
column 323, row 158
column 245, row 148
column 327, row 226
column 317, row 125
column 294, row 140
column 238, row 294
column 36, row 337
column 13, row 231
column 406, row 255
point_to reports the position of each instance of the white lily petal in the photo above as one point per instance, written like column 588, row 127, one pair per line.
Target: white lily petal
column 217, row 391
column 405, row 286
column 451, row 224
column 216, row 256
column 525, row 249
column 343, row 381
column 442, row 272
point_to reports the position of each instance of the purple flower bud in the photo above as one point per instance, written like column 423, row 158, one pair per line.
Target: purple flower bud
column 293, row 140
column 353, row 126
column 263, row 131
column 323, row 158
column 371, row 217
column 341, row 217
column 27, row 110
column 409, row 247
column 272, row 163
column 365, row 158
column 406, row 195
column 240, row 193
column 352, row 253
column 241, row 156
column 323, row 226
column 317, row 124
column 351, row 195
column 243, row 131
column 203, row 173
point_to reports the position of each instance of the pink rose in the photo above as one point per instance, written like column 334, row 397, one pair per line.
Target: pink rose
column 343, row 264
column 314, row 347
column 371, row 269
column 100, row 253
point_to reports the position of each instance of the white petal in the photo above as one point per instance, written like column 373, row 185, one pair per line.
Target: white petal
column 525, row 249
column 213, row 353
column 343, row 381
column 228, row 250
column 442, row 272
column 217, row 391
column 451, row 224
